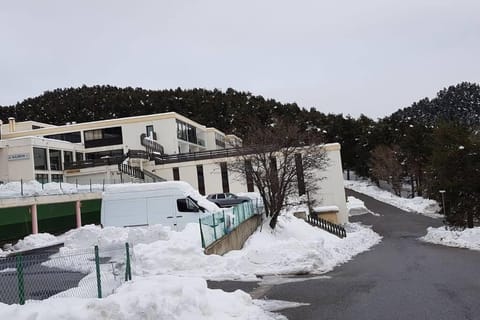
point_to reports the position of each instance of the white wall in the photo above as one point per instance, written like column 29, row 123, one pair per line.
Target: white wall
column 332, row 191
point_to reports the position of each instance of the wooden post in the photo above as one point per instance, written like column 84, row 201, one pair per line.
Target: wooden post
column 78, row 213
column 33, row 210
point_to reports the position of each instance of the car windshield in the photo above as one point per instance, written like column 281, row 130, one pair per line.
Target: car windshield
column 230, row 195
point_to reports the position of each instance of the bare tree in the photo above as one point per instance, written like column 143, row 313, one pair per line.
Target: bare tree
column 386, row 166
column 280, row 160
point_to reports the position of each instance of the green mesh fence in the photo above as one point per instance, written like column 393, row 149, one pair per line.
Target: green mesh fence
column 67, row 273
column 216, row 225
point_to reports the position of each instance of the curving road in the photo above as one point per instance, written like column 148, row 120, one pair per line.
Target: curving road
column 400, row 278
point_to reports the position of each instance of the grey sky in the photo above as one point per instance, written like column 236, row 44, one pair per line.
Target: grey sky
column 351, row 57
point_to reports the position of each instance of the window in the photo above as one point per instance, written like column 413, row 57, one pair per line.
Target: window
column 221, row 196
column 176, row 174
column 219, row 140
column 150, row 131
column 70, row 137
column 55, row 159
column 117, row 153
column 103, row 137
column 67, row 156
column 201, row 180
column 41, row 177
column 40, row 158
column 186, row 132
column 57, row 177
column 300, row 176
column 78, row 156
column 224, row 172
column 187, row 205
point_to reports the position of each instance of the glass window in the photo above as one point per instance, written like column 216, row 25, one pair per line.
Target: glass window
column 67, row 156
column 55, row 159
column 186, row 205
column 41, row 177
column 117, row 153
column 150, row 131
column 201, row 181
column 103, row 137
column 40, row 158
column 79, row 156
column 224, row 172
column 220, row 196
column 186, row 132
column 69, row 136
column 57, row 177
column 176, row 174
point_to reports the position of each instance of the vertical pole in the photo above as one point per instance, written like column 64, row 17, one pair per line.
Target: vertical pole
column 214, row 227
column 128, row 269
column 97, row 267
column 90, row 185
column 201, row 232
column 224, row 223
column 33, row 210
column 60, row 185
column 103, row 186
column 21, row 187
column 76, row 183
column 20, row 282
column 78, row 213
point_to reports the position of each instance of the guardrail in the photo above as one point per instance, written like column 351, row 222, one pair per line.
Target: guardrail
column 218, row 224
column 135, row 172
column 94, row 162
column 333, row 228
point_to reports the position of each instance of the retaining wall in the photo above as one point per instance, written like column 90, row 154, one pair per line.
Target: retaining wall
column 235, row 239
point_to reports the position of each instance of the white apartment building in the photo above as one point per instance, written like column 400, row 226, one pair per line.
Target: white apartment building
column 165, row 146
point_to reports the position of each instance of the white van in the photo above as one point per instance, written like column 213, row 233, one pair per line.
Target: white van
column 170, row 203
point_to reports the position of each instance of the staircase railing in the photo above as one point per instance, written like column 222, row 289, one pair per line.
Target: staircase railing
column 333, row 228
column 151, row 146
column 153, row 176
column 135, row 172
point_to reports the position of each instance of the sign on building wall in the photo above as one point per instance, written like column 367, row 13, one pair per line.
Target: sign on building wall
column 18, row 156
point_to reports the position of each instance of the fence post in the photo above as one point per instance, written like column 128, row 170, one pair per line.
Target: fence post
column 201, row 232
column 76, row 184
column 128, row 268
column 20, row 282
column 21, row 187
column 103, row 185
column 224, row 223
column 90, row 185
column 97, row 267
column 214, row 228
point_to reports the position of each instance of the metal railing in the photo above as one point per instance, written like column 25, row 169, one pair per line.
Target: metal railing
column 151, row 146
column 328, row 226
column 94, row 162
column 87, row 273
column 218, row 224
column 135, row 172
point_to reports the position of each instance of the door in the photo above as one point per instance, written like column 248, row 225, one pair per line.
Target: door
column 161, row 211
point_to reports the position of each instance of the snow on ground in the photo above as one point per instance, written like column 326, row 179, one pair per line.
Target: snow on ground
column 356, row 207
column 294, row 247
column 420, row 205
column 157, row 297
column 35, row 188
column 468, row 238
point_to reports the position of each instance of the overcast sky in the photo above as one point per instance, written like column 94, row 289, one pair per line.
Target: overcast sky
column 351, row 57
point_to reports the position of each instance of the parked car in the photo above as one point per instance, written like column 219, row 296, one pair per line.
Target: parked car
column 226, row 199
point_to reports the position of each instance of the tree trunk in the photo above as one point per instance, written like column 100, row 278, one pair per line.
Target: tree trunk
column 348, row 174
column 412, row 183
column 469, row 219
column 273, row 221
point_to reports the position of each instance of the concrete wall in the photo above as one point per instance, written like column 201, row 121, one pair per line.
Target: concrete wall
column 235, row 239
column 331, row 189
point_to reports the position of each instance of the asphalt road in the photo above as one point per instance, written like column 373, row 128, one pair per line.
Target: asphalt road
column 400, row 278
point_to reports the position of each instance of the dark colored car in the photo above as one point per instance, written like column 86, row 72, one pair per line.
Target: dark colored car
column 226, row 199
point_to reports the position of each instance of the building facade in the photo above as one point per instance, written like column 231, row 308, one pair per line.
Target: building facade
column 165, row 146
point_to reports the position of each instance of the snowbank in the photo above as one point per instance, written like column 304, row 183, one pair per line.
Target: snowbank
column 158, row 297
column 468, row 238
column 294, row 247
column 420, row 205
column 35, row 188
column 356, row 207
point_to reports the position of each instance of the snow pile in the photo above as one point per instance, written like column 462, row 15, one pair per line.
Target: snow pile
column 420, row 205
column 293, row 247
column 468, row 238
column 35, row 188
column 33, row 241
column 356, row 207
column 159, row 297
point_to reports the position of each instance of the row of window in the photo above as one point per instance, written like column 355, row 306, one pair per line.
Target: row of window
column 93, row 138
column 186, row 132
column 40, row 158
column 43, row 177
